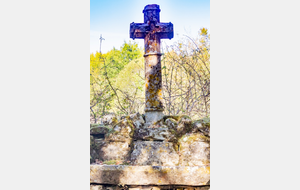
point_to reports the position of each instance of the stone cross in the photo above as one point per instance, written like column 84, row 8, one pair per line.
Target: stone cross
column 152, row 31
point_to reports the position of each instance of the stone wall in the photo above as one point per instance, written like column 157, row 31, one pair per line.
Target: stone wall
column 173, row 153
column 172, row 141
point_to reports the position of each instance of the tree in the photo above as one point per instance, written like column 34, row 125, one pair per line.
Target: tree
column 104, row 71
column 186, row 76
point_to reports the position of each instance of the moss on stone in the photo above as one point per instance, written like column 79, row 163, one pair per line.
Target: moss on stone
column 181, row 117
column 176, row 117
column 114, row 121
column 92, row 142
column 110, row 162
column 116, row 162
column 204, row 121
column 205, row 138
column 94, row 125
column 159, row 122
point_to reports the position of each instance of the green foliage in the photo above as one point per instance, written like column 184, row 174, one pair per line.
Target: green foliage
column 110, row 162
column 104, row 72
column 116, row 60
column 116, row 162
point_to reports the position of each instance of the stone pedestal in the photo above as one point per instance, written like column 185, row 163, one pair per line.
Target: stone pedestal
column 152, row 117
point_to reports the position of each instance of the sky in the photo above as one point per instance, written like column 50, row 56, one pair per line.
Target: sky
column 112, row 18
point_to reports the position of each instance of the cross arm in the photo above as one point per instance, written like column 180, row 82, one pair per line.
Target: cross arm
column 139, row 30
column 165, row 30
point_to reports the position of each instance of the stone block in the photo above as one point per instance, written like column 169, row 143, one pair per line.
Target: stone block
column 184, row 125
column 137, row 120
column 192, row 137
column 153, row 134
column 202, row 126
column 152, row 117
column 171, row 123
column 154, row 153
column 114, row 151
column 92, row 141
column 100, row 129
column 150, row 175
column 106, row 150
column 196, row 153
column 110, row 119
column 122, row 132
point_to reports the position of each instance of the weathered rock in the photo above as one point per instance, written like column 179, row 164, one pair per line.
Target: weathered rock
column 110, row 119
column 114, row 151
column 93, row 153
column 171, row 123
column 190, row 139
column 193, row 137
column 202, row 126
column 153, row 134
column 194, row 154
column 99, row 143
column 194, row 150
column 150, row 175
column 92, row 142
column 122, row 132
column 152, row 117
column 99, row 129
column 95, row 147
column 96, row 187
column 154, row 153
column 184, row 125
column 115, row 144
column 137, row 120
column 106, row 150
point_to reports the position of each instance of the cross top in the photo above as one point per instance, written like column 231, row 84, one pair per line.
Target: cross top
column 151, row 13
column 151, row 24
column 152, row 31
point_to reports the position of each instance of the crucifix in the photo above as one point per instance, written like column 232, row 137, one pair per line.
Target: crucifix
column 152, row 31
column 101, row 41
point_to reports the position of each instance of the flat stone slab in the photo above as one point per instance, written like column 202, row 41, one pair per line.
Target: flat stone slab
column 150, row 175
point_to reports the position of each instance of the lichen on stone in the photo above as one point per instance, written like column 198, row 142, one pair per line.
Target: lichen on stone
column 180, row 133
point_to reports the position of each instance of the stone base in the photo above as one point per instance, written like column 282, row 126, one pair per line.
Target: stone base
column 150, row 175
column 154, row 153
column 152, row 117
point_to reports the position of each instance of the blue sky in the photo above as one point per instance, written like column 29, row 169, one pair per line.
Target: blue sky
column 112, row 18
